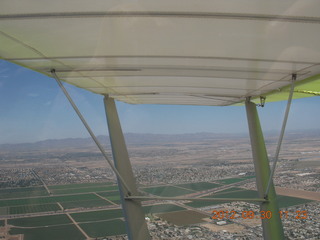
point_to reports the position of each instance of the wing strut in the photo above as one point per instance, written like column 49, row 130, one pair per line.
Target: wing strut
column 130, row 199
column 64, row 90
column 133, row 212
column 283, row 128
column 272, row 228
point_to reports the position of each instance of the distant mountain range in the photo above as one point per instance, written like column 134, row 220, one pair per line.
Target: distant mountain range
column 142, row 139
column 131, row 139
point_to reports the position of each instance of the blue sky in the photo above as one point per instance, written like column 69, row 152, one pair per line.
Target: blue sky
column 33, row 108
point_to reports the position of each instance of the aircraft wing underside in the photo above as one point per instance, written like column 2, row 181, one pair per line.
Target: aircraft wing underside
column 169, row 52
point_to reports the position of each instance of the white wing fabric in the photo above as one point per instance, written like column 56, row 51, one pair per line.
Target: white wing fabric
column 209, row 52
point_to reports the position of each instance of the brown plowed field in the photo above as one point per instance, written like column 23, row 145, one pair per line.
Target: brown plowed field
column 298, row 193
column 185, row 217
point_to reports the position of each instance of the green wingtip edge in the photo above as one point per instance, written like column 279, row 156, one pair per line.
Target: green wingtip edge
column 308, row 87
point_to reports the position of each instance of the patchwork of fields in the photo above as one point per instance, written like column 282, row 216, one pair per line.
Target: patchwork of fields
column 93, row 223
column 94, row 207
column 62, row 197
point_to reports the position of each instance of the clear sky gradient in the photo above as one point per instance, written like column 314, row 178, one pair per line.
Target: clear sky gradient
column 32, row 108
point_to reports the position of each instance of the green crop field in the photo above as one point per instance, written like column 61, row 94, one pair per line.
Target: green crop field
column 79, row 185
column 85, row 204
column 199, row 186
column 236, row 194
column 63, row 232
column 167, row 191
column 199, row 204
column 22, row 192
column 4, row 211
column 45, row 200
column 116, row 201
column 162, row 208
column 44, row 204
column 110, row 194
column 34, row 208
column 97, row 215
column 248, row 177
column 115, row 226
column 117, row 213
column 232, row 189
column 40, row 221
column 22, row 189
column 113, row 196
column 84, row 190
column 230, row 180
column 285, row 201
column 105, row 228
column 76, row 197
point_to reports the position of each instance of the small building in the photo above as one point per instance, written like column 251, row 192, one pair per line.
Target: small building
column 220, row 223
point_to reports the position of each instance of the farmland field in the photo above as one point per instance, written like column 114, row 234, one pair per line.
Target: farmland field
column 4, row 210
column 232, row 189
column 110, row 222
column 186, row 217
column 49, row 203
column 44, row 200
column 85, row 204
column 199, row 186
column 22, row 192
column 62, row 232
column 97, row 215
column 113, row 196
column 34, row 208
column 40, row 221
column 110, row 194
column 117, row 213
column 78, row 185
column 236, row 194
column 230, row 180
column 84, row 190
column 199, row 204
column 298, row 193
column 104, row 228
column 248, row 177
column 76, row 197
column 116, row 201
column 167, row 191
column 285, row 201
column 161, row 208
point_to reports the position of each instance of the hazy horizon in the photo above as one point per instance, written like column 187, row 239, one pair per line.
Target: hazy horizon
column 269, row 133
column 33, row 109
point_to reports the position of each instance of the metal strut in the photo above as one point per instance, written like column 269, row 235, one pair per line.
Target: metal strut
column 284, row 123
column 64, row 90
column 272, row 228
column 136, row 225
